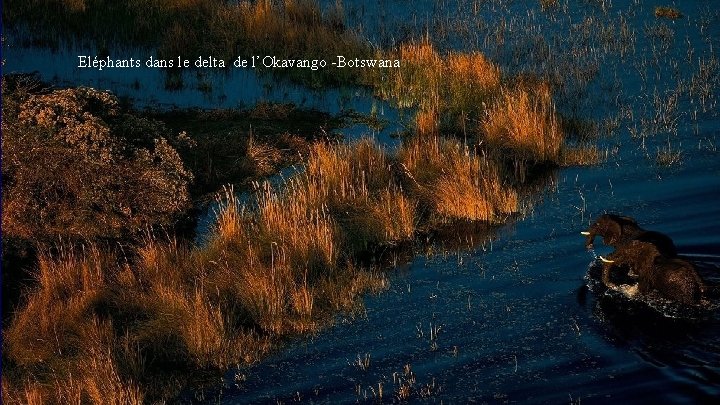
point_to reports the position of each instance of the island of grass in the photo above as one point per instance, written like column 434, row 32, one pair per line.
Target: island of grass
column 670, row 13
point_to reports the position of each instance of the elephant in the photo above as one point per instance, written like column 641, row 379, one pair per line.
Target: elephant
column 617, row 230
column 670, row 277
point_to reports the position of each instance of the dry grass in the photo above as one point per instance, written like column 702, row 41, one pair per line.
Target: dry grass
column 523, row 122
column 59, row 334
column 549, row 4
column 668, row 156
column 355, row 184
column 464, row 94
column 581, row 155
column 671, row 13
column 448, row 90
column 453, row 183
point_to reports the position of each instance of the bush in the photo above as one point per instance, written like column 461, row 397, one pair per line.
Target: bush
column 76, row 166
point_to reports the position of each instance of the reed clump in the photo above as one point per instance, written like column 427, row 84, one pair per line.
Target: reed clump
column 448, row 90
column 668, row 12
column 356, row 184
column 465, row 95
column 523, row 122
column 453, row 183
column 549, row 4
column 581, row 155
column 58, row 340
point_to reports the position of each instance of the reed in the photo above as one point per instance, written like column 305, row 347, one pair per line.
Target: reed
column 581, row 155
column 449, row 91
column 105, row 326
column 523, row 123
column 671, row 13
column 454, row 184
column 464, row 94
column 356, row 184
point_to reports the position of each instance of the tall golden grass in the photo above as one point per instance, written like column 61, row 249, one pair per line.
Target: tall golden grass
column 105, row 326
column 523, row 121
column 447, row 90
column 465, row 94
column 454, row 183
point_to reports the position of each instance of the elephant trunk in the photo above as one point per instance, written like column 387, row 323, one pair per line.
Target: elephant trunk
column 589, row 238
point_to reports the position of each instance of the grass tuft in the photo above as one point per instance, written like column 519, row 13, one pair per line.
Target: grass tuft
column 671, row 13
column 453, row 183
column 581, row 155
column 523, row 123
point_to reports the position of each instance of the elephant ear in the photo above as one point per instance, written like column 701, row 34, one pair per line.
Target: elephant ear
column 613, row 232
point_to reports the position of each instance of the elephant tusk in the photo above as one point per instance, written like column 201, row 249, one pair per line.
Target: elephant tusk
column 606, row 260
column 586, row 233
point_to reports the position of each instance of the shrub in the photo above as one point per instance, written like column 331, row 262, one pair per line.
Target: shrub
column 76, row 166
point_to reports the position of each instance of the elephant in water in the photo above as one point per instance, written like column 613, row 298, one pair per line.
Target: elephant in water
column 670, row 277
column 617, row 230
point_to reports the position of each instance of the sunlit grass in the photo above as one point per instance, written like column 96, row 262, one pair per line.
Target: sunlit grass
column 581, row 155
column 668, row 156
column 671, row 13
column 104, row 321
column 449, row 91
column 464, row 94
column 450, row 181
column 524, row 123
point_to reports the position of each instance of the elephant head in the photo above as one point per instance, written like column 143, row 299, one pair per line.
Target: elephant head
column 614, row 230
column 617, row 230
